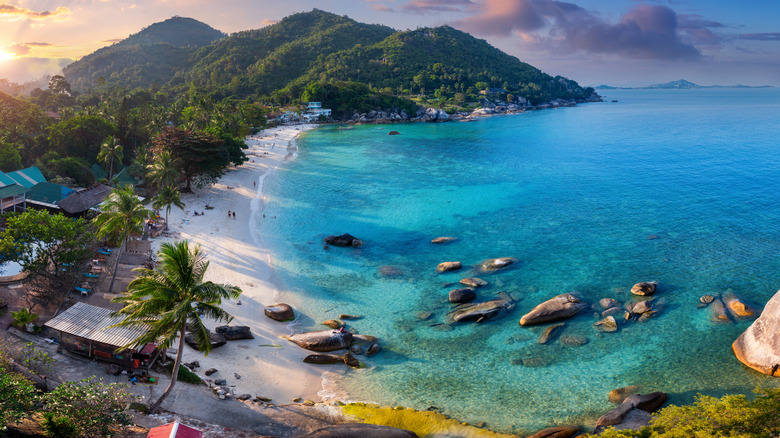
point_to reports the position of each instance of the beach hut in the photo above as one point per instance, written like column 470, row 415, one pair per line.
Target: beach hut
column 79, row 202
column 86, row 330
column 174, row 430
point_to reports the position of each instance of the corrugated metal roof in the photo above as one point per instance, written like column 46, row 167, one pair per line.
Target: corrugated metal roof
column 93, row 322
column 6, row 180
column 27, row 177
column 11, row 190
column 174, row 430
column 85, row 199
column 49, row 192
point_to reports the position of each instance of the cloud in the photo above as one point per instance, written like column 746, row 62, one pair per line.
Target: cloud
column 22, row 49
column 645, row 32
column 760, row 36
column 382, row 8
column 9, row 12
column 26, row 69
column 268, row 22
column 432, row 6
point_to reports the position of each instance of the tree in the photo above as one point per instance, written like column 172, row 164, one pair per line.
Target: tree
column 93, row 407
column 169, row 300
column 168, row 196
column 17, row 397
column 164, row 170
column 123, row 216
column 202, row 156
column 111, row 151
column 10, row 159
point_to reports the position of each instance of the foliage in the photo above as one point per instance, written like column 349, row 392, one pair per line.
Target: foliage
column 110, row 151
column 22, row 317
column 200, row 154
column 10, row 159
column 47, row 245
column 172, row 298
column 168, row 196
column 164, row 170
column 80, row 136
column 59, row 426
column 95, row 408
column 185, row 375
column 17, row 397
column 732, row 416
column 36, row 360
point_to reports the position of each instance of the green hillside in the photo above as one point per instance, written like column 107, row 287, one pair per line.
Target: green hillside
column 152, row 56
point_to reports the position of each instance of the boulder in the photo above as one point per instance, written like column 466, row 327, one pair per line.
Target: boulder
column 322, row 340
column 574, row 340
column 210, row 371
column 608, row 324
column 559, row 307
column 444, row 239
column 736, row 307
column 373, row 349
column 463, row 295
column 557, row 432
column 616, row 312
column 365, row 339
column 280, row 312
column 393, row 133
column 333, row 323
column 473, row 282
column 550, row 333
column 620, row 394
column 634, row 420
column 344, row 240
column 718, row 311
column 351, row 360
column 648, row 403
column 235, row 333
column 448, row 266
column 759, row 346
column 480, row 312
column 348, row 316
column 706, row 299
column 496, row 264
column 357, row 430
column 323, row 358
column 215, row 339
column 644, row 288
column 641, row 307
column 607, row 303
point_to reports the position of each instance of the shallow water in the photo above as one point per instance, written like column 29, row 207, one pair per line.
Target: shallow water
column 573, row 193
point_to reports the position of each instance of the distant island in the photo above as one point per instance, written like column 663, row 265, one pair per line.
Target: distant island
column 680, row 84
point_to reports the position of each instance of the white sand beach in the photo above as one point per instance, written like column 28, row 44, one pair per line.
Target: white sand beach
column 268, row 365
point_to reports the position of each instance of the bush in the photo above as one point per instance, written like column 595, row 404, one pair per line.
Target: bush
column 185, row 375
column 58, row 426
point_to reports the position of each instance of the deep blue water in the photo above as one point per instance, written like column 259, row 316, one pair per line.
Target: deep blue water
column 574, row 193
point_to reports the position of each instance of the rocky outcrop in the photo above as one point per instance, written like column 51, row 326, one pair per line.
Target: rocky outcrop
column 344, row 240
column 235, row 333
column 280, row 312
column 496, row 264
column 559, row 307
column 322, row 340
column 759, row 346
column 433, row 115
column 215, row 339
column 644, row 288
column 463, row 295
column 626, row 416
column 480, row 312
column 736, row 307
column 360, row 431
column 448, row 266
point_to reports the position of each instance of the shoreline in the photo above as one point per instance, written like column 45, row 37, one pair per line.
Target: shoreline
column 267, row 366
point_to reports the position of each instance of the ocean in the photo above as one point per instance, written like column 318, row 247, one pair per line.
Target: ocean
column 675, row 186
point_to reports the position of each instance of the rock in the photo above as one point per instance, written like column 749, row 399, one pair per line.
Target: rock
column 473, row 282
column 557, row 432
column 423, row 316
column 348, row 316
column 607, row 303
column 333, row 323
column 358, row 430
column 243, row 397
column 234, row 333
column 344, row 240
column 322, row 340
column 357, row 349
column 642, row 307
column 365, row 339
column 220, row 382
column 113, row 369
column 759, row 346
column 574, row 340
column 193, row 365
column 616, row 312
column 448, row 266
column 556, row 308
column 215, row 339
column 373, row 349
column 706, row 299
column 550, row 333
column 393, row 133
column 647, row 402
column 608, row 324
column 736, row 307
column 390, row 271
column 351, row 360
column 480, row 312
column 237, row 376
column 644, row 288
column 463, row 295
column 618, row 395
column 718, row 311
column 210, row 371
column 496, row 264
column 647, row 315
column 444, row 239
column 323, row 358
column 280, row 312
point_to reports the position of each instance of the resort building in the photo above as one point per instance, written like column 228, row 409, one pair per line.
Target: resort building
column 14, row 187
column 314, row 111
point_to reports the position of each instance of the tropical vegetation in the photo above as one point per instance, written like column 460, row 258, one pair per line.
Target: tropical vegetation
column 170, row 300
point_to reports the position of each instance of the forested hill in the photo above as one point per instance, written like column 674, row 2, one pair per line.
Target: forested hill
column 315, row 54
column 151, row 56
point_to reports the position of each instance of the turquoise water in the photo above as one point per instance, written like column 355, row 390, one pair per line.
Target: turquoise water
column 573, row 193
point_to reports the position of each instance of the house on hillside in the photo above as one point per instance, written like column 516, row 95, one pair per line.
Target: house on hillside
column 314, row 111
column 87, row 330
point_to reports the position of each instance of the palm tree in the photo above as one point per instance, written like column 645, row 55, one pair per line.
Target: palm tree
column 111, row 150
column 164, row 171
column 168, row 196
column 172, row 298
column 122, row 216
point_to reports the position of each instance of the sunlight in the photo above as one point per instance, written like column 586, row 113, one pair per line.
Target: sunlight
column 5, row 56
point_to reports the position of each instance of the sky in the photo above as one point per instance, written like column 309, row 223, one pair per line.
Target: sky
column 594, row 42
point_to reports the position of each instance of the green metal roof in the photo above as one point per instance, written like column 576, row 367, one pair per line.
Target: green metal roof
column 6, row 180
column 98, row 171
column 12, row 190
column 49, row 192
column 27, row 177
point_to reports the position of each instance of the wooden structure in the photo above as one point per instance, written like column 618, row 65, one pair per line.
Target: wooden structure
column 79, row 202
column 86, row 330
column 174, row 430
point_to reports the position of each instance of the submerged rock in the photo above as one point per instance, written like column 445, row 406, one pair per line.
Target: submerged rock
column 473, row 282
column 496, row 264
column 444, row 239
column 280, row 312
column 333, row 323
column 556, row 308
column 322, row 340
column 737, row 308
column 462, row 295
column 718, row 311
column 644, row 288
column 448, row 266
column 549, row 333
column 344, row 240
column 480, row 312
column 608, row 303
column 608, row 324
column 759, row 346
column 574, row 340
column 390, row 271
column 620, row 394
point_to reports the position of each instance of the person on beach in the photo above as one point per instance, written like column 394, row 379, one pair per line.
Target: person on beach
column 254, row 183
column 228, row 214
column 234, row 215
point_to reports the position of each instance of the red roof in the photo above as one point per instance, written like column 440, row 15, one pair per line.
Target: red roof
column 174, row 430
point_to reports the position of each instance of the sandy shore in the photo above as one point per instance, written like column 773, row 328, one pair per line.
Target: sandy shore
column 268, row 365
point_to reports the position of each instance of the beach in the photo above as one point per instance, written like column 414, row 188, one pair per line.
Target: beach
column 267, row 366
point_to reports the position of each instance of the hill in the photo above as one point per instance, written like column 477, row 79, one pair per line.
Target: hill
column 153, row 55
column 680, row 84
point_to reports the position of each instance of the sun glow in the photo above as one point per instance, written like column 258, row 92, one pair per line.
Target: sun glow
column 5, row 56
